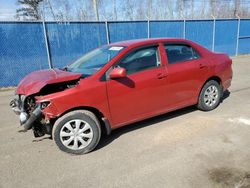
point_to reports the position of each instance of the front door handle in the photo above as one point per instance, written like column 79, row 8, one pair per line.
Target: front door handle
column 161, row 75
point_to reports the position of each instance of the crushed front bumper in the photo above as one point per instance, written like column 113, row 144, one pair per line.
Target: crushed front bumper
column 16, row 104
column 26, row 120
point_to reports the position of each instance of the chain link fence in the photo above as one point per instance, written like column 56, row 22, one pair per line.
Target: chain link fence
column 23, row 48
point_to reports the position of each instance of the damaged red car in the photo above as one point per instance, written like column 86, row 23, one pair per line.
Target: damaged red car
column 116, row 85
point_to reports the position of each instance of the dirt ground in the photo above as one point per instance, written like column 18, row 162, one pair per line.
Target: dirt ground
column 185, row 148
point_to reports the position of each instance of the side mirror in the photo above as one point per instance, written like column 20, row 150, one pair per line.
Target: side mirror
column 117, row 73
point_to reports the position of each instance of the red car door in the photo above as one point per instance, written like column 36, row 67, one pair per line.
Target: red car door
column 185, row 72
column 141, row 93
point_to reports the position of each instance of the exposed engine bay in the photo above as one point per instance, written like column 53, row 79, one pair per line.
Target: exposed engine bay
column 30, row 111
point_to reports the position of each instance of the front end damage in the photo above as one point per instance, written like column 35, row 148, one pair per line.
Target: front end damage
column 30, row 114
column 37, row 85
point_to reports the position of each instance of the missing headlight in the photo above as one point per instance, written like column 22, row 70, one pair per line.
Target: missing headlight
column 44, row 105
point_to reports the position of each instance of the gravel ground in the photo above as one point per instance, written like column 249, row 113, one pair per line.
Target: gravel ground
column 185, row 148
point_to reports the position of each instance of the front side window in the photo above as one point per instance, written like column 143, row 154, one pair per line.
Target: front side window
column 180, row 52
column 94, row 60
column 141, row 59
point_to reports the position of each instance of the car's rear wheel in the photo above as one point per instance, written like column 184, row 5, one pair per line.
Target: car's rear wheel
column 77, row 132
column 210, row 96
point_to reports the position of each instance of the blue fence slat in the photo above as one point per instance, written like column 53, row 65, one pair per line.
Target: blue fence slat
column 69, row 41
column 244, row 41
column 22, row 50
column 166, row 29
column 200, row 31
column 245, row 28
column 119, row 31
column 226, row 36
column 244, row 46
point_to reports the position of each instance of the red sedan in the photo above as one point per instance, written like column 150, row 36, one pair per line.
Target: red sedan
column 119, row 84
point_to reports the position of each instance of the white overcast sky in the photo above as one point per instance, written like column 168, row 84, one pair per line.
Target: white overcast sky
column 7, row 9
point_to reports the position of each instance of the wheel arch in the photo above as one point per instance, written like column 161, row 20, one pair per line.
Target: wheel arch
column 215, row 78
column 104, row 122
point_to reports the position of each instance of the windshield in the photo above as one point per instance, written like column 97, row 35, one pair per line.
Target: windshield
column 91, row 62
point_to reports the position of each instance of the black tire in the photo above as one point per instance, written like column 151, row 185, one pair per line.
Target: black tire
column 83, row 115
column 203, row 102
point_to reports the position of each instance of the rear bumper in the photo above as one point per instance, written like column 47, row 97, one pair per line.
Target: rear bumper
column 226, row 84
column 227, row 77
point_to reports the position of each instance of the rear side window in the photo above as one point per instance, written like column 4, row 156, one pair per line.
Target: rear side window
column 180, row 52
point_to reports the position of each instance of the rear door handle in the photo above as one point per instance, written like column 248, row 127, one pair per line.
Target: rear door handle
column 202, row 66
column 161, row 75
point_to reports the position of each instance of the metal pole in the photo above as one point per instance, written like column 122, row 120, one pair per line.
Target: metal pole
column 213, row 43
column 184, row 20
column 238, row 36
column 148, row 28
column 46, row 44
column 46, row 40
column 184, row 27
column 107, row 31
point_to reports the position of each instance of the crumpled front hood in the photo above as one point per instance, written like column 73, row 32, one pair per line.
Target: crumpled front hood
column 35, row 81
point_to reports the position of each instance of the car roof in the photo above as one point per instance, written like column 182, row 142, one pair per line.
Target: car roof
column 138, row 42
column 142, row 42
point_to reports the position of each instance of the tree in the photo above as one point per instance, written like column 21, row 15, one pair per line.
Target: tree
column 30, row 10
column 95, row 6
column 99, row 10
column 114, row 10
column 236, row 7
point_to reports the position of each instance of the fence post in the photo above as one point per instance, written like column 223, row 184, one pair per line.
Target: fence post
column 184, row 28
column 46, row 44
column 107, row 31
column 214, row 25
column 238, row 36
column 46, row 38
column 148, row 28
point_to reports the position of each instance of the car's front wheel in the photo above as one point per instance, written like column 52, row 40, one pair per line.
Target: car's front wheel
column 210, row 96
column 77, row 132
